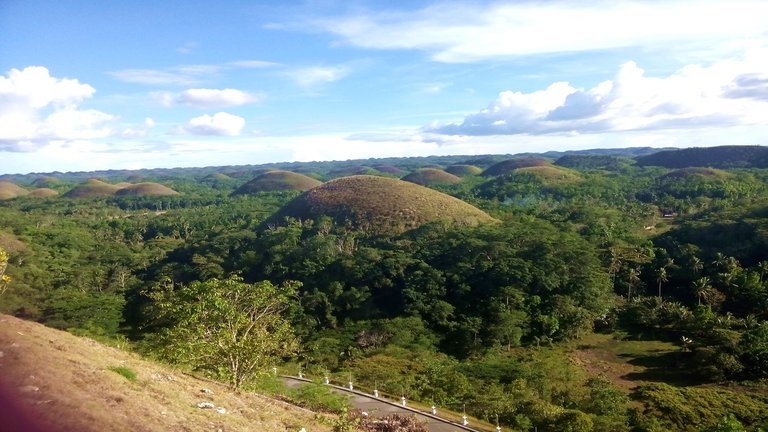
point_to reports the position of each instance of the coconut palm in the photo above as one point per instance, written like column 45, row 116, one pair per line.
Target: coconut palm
column 661, row 277
column 701, row 286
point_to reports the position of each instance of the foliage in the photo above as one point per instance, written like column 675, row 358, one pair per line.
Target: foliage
column 230, row 329
column 125, row 372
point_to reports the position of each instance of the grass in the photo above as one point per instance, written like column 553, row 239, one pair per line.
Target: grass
column 431, row 176
column 92, row 188
column 381, row 205
column 629, row 363
column 552, row 175
column 144, row 189
column 507, row 166
column 125, row 372
column 74, row 385
column 277, row 181
column 10, row 190
column 461, row 170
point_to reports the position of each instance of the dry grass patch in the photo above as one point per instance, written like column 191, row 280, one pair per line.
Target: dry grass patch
column 65, row 383
column 10, row 190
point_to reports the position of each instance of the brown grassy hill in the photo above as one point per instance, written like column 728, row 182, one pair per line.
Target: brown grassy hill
column 431, row 176
column 387, row 169
column 145, row 189
column 277, row 181
column 507, row 166
column 460, row 170
column 46, row 182
column 551, row 174
column 380, row 205
column 352, row 170
column 704, row 172
column 92, row 188
column 53, row 381
column 43, row 193
column 10, row 190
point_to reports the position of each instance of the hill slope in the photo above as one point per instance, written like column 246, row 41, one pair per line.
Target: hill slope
column 380, row 205
column 53, row 381
column 277, row 181
column 715, row 157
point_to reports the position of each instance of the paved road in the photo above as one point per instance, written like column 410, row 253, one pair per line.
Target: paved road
column 380, row 408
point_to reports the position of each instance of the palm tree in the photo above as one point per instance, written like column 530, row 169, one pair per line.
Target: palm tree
column 701, row 286
column 763, row 267
column 661, row 276
column 697, row 265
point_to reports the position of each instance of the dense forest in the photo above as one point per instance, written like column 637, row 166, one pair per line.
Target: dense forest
column 612, row 291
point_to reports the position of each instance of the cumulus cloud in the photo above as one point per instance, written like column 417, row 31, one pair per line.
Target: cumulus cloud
column 466, row 31
column 219, row 124
column 36, row 108
column 724, row 94
column 318, row 75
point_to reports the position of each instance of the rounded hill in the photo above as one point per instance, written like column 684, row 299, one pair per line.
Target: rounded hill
column 146, row 189
column 46, row 182
column 461, row 170
column 43, row 193
column 431, row 176
column 380, row 205
column 10, row 190
column 550, row 174
column 696, row 171
column 92, row 188
column 277, row 181
column 507, row 166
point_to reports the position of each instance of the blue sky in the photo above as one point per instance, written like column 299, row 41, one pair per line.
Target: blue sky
column 87, row 85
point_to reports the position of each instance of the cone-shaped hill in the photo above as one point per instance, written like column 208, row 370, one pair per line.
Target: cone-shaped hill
column 145, row 189
column 277, row 181
column 46, row 182
column 92, row 188
column 507, row 166
column 431, row 176
column 43, row 193
column 695, row 171
column 10, row 190
column 461, row 170
column 380, row 205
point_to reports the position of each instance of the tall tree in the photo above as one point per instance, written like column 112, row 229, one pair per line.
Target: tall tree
column 230, row 329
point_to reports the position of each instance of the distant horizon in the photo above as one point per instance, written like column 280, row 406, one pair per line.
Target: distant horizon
column 200, row 167
column 88, row 86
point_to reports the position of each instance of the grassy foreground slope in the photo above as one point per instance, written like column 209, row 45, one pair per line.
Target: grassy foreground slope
column 54, row 381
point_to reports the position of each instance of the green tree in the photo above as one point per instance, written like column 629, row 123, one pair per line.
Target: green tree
column 701, row 286
column 230, row 329
column 4, row 278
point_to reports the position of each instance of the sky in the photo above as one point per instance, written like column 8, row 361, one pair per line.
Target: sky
column 92, row 85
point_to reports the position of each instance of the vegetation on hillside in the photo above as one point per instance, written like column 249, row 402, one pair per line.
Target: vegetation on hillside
column 603, row 296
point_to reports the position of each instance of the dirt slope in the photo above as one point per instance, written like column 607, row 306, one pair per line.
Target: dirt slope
column 54, row 381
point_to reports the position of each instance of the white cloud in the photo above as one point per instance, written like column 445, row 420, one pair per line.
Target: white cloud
column 220, row 124
column 463, row 32
column 214, row 98
column 252, row 64
column 149, row 122
column 318, row 75
column 156, row 77
column 727, row 93
column 36, row 108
